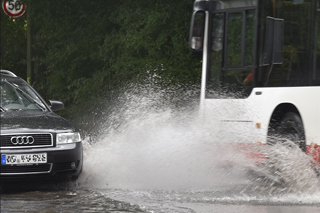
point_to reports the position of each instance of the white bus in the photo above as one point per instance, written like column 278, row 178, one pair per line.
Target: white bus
column 260, row 69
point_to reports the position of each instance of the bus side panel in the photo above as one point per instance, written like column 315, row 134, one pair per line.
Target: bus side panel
column 305, row 99
column 247, row 120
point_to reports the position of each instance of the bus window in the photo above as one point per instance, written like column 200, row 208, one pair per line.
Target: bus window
column 214, row 73
column 250, row 33
column 316, row 72
column 234, row 38
column 240, row 39
column 295, row 69
column 217, row 32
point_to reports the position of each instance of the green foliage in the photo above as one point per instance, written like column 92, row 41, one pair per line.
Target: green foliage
column 13, row 44
column 151, row 36
column 86, row 50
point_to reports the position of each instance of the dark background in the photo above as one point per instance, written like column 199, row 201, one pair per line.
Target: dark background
column 85, row 52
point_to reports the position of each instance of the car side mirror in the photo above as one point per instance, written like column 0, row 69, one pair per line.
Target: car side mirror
column 56, row 105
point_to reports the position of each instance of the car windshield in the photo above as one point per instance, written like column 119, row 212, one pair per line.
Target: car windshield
column 19, row 96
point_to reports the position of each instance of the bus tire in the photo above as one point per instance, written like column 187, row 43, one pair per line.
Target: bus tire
column 290, row 128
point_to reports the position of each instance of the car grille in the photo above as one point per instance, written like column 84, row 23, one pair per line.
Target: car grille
column 39, row 140
column 28, row 169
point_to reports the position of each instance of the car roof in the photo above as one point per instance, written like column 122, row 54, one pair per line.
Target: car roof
column 8, row 75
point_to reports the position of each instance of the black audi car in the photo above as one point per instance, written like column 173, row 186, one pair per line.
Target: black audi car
column 36, row 144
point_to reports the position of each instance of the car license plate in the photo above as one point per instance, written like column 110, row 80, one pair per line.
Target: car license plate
column 24, row 159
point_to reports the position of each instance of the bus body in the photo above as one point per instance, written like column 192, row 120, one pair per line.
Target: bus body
column 260, row 69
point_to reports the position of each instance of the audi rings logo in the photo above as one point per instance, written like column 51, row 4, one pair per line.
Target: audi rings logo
column 21, row 140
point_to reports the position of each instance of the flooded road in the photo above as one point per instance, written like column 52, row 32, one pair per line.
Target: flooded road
column 153, row 157
column 48, row 198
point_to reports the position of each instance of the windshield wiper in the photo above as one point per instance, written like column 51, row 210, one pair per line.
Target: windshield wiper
column 43, row 108
column 2, row 109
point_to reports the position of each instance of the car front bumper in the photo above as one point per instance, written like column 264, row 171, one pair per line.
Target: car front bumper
column 64, row 162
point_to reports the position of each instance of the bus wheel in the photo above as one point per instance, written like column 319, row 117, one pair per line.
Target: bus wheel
column 287, row 134
column 291, row 128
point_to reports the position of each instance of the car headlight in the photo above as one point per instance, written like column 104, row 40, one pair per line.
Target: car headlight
column 70, row 137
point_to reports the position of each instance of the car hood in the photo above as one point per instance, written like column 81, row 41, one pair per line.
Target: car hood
column 33, row 121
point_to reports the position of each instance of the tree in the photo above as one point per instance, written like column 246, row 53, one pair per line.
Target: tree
column 85, row 50
column 13, row 44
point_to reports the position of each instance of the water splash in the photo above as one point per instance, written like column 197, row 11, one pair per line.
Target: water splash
column 154, row 139
column 287, row 170
column 150, row 141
